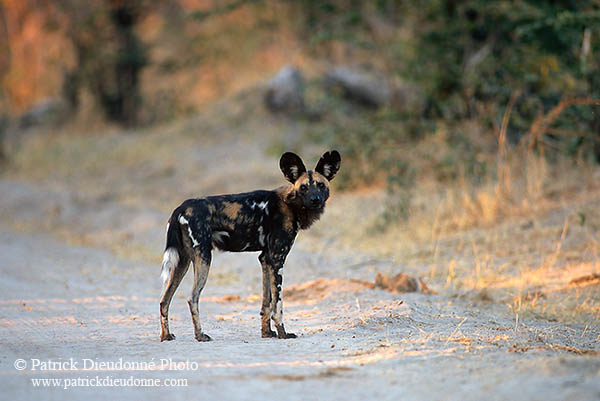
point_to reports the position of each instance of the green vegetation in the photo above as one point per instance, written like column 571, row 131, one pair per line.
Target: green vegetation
column 488, row 74
column 469, row 58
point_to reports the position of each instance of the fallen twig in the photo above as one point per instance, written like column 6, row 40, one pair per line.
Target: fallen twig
column 455, row 330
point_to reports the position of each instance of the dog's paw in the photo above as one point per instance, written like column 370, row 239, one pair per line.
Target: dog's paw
column 269, row 334
column 203, row 338
column 288, row 335
column 167, row 337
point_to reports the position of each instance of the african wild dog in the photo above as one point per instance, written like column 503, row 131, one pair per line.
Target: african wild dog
column 261, row 221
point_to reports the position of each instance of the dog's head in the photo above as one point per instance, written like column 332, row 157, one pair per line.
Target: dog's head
column 310, row 189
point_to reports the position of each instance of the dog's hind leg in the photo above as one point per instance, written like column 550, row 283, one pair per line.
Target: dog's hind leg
column 265, row 310
column 202, row 261
column 171, row 283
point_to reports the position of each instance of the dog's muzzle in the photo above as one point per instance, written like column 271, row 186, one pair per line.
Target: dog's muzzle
column 314, row 202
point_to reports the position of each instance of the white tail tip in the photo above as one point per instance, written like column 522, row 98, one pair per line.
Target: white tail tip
column 170, row 261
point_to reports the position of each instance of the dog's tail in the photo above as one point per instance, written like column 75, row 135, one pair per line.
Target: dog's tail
column 174, row 247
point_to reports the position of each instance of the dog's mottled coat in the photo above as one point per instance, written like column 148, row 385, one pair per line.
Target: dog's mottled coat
column 261, row 221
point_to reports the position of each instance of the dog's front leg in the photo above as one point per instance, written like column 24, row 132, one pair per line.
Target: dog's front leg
column 276, row 302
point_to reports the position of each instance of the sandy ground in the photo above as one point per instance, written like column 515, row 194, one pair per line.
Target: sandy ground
column 82, row 224
column 63, row 302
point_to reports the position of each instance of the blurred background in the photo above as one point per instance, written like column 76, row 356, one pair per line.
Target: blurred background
column 470, row 130
column 368, row 75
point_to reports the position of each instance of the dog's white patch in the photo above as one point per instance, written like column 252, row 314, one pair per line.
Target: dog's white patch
column 167, row 230
column 217, row 237
column 294, row 171
column 262, row 205
column 183, row 221
column 246, row 246
column 170, row 261
column 326, row 170
column 261, row 236
column 278, row 313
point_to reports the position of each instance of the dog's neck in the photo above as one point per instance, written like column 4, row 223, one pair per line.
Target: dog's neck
column 307, row 217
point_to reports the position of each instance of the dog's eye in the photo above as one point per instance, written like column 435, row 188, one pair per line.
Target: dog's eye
column 303, row 188
column 320, row 185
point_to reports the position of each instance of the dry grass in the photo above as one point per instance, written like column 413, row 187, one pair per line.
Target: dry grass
column 518, row 235
column 518, row 241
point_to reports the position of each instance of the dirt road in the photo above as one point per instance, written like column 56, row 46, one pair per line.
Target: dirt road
column 68, row 307
column 81, row 237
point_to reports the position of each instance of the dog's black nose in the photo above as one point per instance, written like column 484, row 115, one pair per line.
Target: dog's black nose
column 315, row 200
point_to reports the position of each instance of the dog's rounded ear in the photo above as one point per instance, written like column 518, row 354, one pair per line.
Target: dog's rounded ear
column 291, row 166
column 329, row 164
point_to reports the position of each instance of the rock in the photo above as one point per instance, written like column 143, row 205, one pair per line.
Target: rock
column 285, row 92
column 47, row 112
column 361, row 87
column 401, row 283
